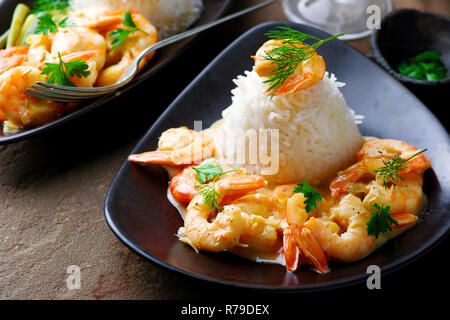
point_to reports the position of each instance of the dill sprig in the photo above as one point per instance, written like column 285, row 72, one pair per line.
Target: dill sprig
column 286, row 57
column 210, row 172
column 211, row 196
column 390, row 171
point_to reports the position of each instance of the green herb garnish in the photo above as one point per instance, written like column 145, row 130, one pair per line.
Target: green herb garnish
column 59, row 73
column 210, row 195
column 208, row 172
column 310, row 193
column 390, row 171
column 426, row 66
column 50, row 5
column 380, row 222
column 121, row 34
column 46, row 24
column 286, row 57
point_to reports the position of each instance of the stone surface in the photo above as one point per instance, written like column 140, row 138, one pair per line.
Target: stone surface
column 52, row 190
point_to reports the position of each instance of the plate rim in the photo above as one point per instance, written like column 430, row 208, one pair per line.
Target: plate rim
column 32, row 132
column 399, row 263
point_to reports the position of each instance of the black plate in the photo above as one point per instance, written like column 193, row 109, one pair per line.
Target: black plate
column 138, row 212
column 213, row 9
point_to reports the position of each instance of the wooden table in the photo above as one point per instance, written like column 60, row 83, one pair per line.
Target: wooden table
column 52, row 190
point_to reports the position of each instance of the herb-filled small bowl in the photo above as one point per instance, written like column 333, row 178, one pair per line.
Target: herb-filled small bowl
column 412, row 42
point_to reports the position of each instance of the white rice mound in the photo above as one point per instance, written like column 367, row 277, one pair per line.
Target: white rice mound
column 317, row 131
column 168, row 16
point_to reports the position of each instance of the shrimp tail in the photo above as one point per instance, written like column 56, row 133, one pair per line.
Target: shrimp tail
column 404, row 220
column 240, row 184
column 156, row 157
column 311, row 249
column 290, row 250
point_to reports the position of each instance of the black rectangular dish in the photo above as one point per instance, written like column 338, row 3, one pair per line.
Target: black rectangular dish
column 139, row 213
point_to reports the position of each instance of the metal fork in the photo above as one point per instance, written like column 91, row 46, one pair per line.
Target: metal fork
column 74, row 94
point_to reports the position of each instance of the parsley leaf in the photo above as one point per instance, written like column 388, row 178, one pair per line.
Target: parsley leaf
column 208, row 172
column 59, row 73
column 119, row 34
column 50, row 5
column 380, row 222
column 46, row 24
column 128, row 20
column 310, row 193
column 425, row 66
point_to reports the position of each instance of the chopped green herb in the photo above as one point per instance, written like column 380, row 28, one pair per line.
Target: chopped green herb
column 425, row 66
column 380, row 222
column 59, row 73
column 50, row 5
column 119, row 34
column 390, row 171
column 208, row 172
column 46, row 24
column 211, row 195
column 310, row 193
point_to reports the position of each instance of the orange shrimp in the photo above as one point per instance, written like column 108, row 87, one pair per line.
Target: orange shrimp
column 178, row 147
column 89, row 57
column 308, row 72
column 371, row 158
column 118, row 58
column 296, row 217
column 388, row 148
column 19, row 108
column 354, row 243
column 12, row 57
column 183, row 186
column 205, row 230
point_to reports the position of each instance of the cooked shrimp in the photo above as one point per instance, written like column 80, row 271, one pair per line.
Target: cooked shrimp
column 78, row 39
column 12, row 57
column 388, row 148
column 308, row 72
column 178, row 147
column 296, row 217
column 371, row 158
column 19, row 108
column 354, row 243
column 293, row 258
column 261, row 234
column 90, row 57
column 119, row 58
column 405, row 196
column 263, row 214
column 284, row 192
column 229, row 225
column 261, row 204
column 183, row 185
column 354, row 178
